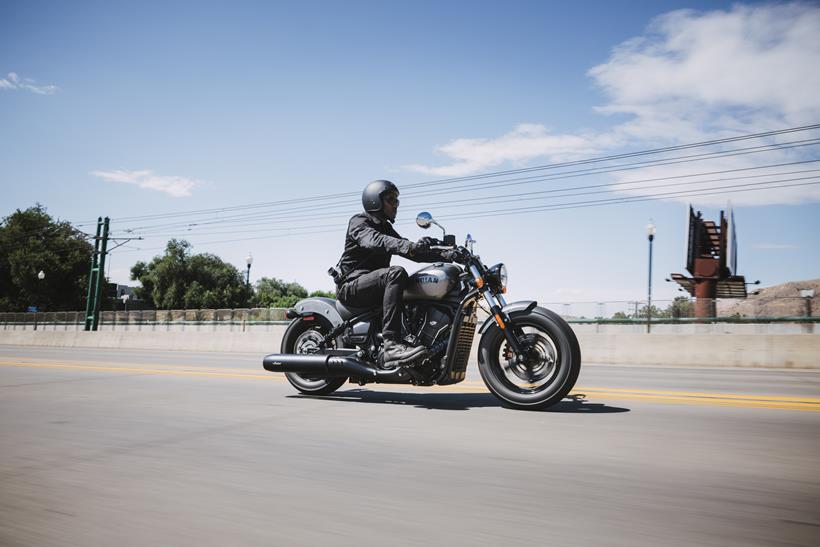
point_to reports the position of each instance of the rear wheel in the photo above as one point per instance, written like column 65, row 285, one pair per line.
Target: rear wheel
column 304, row 337
column 546, row 375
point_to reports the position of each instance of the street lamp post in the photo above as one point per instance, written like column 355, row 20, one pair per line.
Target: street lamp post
column 249, row 261
column 650, row 233
column 40, row 275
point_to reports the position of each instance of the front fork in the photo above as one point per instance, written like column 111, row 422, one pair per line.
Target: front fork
column 497, row 303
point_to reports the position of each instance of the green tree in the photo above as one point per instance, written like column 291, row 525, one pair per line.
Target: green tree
column 656, row 312
column 32, row 241
column 681, row 306
column 275, row 293
column 326, row 294
column 179, row 279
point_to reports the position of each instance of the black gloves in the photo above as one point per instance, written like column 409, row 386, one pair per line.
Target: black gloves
column 427, row 242
column 452, row 255
column 423, row 246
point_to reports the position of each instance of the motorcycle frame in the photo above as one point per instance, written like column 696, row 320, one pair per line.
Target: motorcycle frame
column 467, row 301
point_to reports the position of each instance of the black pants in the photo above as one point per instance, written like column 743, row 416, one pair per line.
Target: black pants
column 383, row 287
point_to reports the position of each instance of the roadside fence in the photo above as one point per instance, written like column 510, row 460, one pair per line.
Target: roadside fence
column 239, row 320
column 681, row 311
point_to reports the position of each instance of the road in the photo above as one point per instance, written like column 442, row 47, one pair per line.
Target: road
column 103, row 447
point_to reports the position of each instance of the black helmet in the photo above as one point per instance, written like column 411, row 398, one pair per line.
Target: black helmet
column 372, row 195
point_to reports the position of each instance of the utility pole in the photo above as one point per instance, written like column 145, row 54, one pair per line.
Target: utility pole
column 96, row 275
column 650, row 233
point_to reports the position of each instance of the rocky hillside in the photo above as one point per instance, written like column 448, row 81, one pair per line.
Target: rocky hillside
column 777, row 301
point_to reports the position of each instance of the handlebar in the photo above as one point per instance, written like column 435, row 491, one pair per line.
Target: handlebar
column 462, row 253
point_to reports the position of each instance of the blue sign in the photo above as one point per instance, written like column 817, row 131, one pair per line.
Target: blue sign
column 32, row 309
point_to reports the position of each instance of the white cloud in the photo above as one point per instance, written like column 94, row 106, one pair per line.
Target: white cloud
column 14, row 82
column 692, row 76
column 750, row 66
column 524, row 143
column 171, row 185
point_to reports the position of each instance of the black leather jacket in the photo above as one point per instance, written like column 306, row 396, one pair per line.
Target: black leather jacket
column 370, row 243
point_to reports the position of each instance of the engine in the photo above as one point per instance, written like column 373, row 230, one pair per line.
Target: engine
column 427, row 324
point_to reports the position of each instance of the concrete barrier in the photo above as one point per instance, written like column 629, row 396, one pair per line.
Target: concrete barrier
column 726, row 350
column 231, row 342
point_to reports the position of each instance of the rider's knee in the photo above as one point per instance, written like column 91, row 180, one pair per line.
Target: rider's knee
column 397, row 273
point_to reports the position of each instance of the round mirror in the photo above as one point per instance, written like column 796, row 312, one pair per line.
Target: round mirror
column 424, row 220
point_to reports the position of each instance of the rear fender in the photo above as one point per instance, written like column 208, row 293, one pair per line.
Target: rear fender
column 317, row 305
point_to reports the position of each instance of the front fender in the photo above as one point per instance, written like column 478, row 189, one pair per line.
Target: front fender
column 326, row 307
column 525, row 306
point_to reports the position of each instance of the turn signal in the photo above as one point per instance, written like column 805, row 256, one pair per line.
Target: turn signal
column 479, row 282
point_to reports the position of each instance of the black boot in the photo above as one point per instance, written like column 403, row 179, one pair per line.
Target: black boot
column 398, row 353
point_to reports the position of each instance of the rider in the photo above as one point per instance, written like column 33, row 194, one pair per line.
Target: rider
column 364, row 276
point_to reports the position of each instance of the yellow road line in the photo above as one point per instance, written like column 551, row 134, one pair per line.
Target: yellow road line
column 168, row 371
column 137, row 367
column 704, row 394
column 659, row 396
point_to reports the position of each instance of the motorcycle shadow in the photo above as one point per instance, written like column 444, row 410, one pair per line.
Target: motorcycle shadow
column 576, row 403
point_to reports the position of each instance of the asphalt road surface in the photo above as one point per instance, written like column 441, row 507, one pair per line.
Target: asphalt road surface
column 105, row 448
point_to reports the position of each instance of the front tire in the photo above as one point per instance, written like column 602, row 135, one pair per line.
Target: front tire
column 303, row 337
column 550, row 373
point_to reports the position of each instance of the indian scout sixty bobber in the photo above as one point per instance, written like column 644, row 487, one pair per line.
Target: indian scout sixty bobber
column 527, row 355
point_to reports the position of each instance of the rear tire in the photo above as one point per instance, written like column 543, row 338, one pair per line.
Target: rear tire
column 303, row 337
column 553, row 369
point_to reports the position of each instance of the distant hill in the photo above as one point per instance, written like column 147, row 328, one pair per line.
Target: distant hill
column 777, row 301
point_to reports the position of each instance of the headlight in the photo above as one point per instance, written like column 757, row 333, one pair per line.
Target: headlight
column 499, row 275
column 502, row 277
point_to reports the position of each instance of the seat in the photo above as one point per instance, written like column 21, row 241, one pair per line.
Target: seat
column 349, row 311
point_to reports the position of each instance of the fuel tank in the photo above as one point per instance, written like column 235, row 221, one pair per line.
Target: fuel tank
column 432, row 282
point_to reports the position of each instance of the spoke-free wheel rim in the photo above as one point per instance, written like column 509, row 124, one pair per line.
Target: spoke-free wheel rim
column 538, row 371
column 308, row 343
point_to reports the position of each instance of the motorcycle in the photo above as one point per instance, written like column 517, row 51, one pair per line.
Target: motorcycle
column 528, row 356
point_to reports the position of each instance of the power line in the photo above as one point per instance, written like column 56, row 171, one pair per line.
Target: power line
column 280, row 218
column 512, row 182
column 491, row 174
column 625, row 155
column 651, row 197
column 531, row 197
column 633, row 166
column 573, row 205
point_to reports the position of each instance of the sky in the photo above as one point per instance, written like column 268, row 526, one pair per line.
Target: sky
column 133, row 109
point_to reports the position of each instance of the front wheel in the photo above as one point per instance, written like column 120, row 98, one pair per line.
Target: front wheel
column 551, row 366
column 304, row 337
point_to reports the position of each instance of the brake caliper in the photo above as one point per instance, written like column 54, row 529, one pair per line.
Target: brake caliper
column 509, row 354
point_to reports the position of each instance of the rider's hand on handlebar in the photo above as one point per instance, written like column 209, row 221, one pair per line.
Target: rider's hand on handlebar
column 418, row 247
column 453, row 255
column 426, row 242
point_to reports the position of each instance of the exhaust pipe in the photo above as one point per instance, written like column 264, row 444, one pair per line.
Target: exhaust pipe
column 318, row 364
